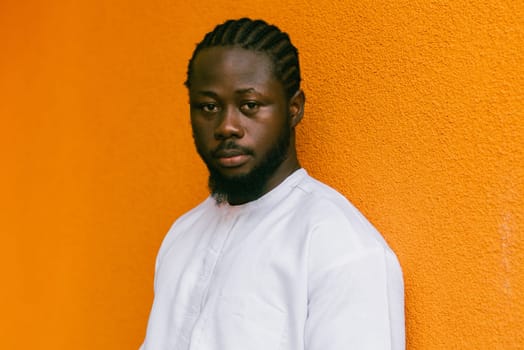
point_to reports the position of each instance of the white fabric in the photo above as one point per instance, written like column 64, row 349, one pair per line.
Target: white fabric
column 299, row 268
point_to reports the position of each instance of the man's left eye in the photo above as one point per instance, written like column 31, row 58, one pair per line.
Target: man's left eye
column 249, row 106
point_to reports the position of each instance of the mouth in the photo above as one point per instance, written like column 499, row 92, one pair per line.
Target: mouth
column 231, row 158
column 233, row 161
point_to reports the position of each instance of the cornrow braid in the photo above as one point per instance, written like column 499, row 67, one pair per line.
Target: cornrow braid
column 256, row 35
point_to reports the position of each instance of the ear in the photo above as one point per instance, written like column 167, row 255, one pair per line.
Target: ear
column 296, row 108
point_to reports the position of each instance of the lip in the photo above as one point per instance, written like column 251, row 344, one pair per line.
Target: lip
column 232, row 160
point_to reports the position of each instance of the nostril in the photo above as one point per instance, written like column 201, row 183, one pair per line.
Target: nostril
column 229, row 125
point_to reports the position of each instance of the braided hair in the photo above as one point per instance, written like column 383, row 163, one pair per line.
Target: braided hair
column 256, row 35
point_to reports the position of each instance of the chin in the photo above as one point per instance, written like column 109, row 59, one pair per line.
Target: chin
column 233, row 173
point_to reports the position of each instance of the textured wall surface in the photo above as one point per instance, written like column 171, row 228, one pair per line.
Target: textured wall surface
column 414, row 112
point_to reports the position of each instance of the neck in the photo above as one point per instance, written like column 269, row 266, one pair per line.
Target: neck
column 270, row 185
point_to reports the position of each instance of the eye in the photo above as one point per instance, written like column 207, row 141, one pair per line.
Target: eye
column 209, row 107
column 249, row 107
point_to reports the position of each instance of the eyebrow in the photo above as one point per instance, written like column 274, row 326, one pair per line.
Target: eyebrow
column 245, row 91
column 238, row 92
column 207, row 93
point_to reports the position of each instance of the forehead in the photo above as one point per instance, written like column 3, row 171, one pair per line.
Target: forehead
column 231, row 66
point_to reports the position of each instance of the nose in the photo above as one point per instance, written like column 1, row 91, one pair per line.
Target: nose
column 229, row 125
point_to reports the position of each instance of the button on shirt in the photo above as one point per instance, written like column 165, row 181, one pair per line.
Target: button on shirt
column 299, row 268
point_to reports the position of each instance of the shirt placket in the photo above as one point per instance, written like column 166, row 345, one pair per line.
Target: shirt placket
column 199, row 296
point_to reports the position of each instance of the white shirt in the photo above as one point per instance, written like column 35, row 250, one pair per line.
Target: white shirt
column 298, row 269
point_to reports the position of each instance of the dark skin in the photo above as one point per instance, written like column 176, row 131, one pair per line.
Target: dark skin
column 237, row 100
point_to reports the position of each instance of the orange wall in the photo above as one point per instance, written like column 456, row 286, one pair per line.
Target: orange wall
column 414, row 111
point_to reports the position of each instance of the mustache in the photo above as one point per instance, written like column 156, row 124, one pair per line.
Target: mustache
column 230, row 146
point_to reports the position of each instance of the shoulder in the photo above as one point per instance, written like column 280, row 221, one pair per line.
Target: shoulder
column 338, row 232
column 190, row 217
column 331, row 214
column 185, row 222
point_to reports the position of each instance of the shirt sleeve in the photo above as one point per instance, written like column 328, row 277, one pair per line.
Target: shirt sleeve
column 355, row 291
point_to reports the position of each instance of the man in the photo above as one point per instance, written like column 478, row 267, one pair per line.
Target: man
column 273, row 259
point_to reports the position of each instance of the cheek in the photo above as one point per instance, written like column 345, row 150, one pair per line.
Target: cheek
column 199, row 139
column 201, row 131
column 270, row 133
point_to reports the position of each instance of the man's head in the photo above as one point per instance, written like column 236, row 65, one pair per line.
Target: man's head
column 259, row 36
column 244, row 91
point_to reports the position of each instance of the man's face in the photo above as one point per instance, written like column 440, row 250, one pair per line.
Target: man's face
column 239, row 116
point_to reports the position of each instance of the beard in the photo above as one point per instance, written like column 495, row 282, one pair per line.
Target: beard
column 252, row 184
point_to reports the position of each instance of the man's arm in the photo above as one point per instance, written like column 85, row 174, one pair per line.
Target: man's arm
column 356, row 293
